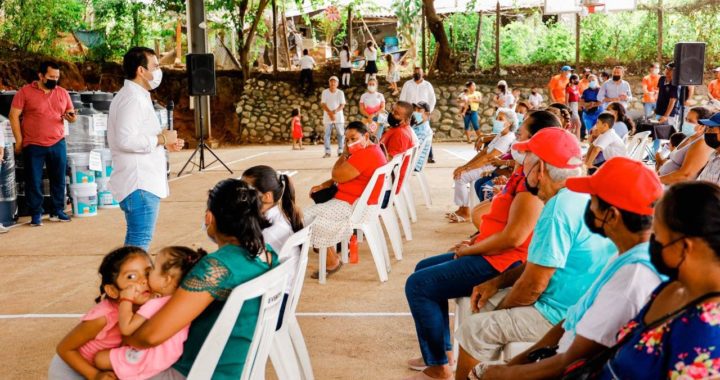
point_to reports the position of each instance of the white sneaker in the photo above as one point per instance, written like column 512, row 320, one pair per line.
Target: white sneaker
column 3, row 229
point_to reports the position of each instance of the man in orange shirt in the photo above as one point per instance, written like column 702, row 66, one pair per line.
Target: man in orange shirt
column 585, row 82
column 714, row 88
column 557, row 85
column 650, row 89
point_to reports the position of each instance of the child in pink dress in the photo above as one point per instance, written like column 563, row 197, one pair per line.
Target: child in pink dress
column 171, row 265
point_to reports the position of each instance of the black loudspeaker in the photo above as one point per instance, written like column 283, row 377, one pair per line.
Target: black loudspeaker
column 201, row 74
column 689, row 64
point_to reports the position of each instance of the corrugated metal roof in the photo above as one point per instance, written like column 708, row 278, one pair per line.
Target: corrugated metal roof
column 384, row 8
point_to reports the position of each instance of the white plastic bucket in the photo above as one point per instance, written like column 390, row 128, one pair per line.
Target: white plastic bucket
column 105, row 197
column 106, row 163
column 80, row 168
column 85, row 197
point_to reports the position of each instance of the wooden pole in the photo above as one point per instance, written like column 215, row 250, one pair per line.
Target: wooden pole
column 660, row 31
column 497, row 38
column 577, row 41
column 349, row 31
column 275, row 39
column 424, row 42
column 178, row 41
column 478, row 36
column 285, row 39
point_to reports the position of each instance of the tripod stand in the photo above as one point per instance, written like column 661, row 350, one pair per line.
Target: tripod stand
column 201, row 148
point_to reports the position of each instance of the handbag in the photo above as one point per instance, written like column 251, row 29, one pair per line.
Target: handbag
column 591, row 368
column 324, row 195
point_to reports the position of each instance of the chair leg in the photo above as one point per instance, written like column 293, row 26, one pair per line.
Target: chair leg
column 404, row 218
column 410, row 202
column 345, row 248
column 425, row 188
column 393, row 229
column 382, row 243
column 456, row 325
column 322, row 265
column 283, row 357
column 377, row 252
column 301, row 351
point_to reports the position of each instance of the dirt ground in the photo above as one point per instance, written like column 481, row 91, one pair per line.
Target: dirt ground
column 357, row 327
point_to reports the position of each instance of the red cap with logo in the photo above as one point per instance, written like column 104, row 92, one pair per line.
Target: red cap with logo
column 554, row 146
column 624, row 183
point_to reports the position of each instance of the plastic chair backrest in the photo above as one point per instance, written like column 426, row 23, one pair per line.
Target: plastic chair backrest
column 270, row 287
column 636, row 145
column 423, row 145
column 361, row 204
column 396, row 163
column 301, row 240
column 405, row 167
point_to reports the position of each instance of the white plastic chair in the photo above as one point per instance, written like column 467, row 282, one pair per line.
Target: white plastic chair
column 289, row 354
column 406, row 191
column 387, row 214
column 422, row 179
column 404, row 201
column 270, row 287
column 637, row 144
column 366, row 218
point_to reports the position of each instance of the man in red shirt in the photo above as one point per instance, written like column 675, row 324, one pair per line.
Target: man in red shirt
column 40, row 137
column 399, row 137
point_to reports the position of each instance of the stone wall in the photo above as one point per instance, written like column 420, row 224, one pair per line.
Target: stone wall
column 265, row 107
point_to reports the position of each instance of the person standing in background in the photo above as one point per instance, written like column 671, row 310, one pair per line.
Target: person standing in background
column 714, row 89
column 307, row 63
column 370, row 60
column 345, row 66
column 557, row 85
column 650, row 89
column 332, row 102
column 616, row 90
column 419, row 90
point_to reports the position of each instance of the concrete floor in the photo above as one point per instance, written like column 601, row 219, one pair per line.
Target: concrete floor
column 51, row 271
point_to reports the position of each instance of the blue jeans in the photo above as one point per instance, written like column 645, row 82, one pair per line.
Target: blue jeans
column 54, row 157
column 436, row 280
column 479, row 184
column 471, row 118
column 340, row 136
column 649, row 109
column 141, row 211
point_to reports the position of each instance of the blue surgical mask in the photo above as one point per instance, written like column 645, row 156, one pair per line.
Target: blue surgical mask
column 418, row 117
column 688, row 129
column 520, row 118
column 593, row 84
column 498, row 126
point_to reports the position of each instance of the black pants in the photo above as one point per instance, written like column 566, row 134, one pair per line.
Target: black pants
column 306, row 78
column 53, row 157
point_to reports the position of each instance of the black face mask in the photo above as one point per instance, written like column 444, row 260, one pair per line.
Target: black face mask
column 417, row 76
column 392, row 120
column 656, row 250
column 616, row 78
column 50, row 84
column 534, row 190
column 711, row 139
column 590, row 218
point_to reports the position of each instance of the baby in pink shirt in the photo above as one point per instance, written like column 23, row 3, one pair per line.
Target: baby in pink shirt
column 171, row 265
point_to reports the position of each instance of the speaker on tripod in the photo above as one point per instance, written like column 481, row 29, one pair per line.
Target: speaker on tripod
column 201, row 82
column 689, row 64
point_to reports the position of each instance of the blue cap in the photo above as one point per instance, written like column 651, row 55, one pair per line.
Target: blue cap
column 566, row 68
column 713, row 121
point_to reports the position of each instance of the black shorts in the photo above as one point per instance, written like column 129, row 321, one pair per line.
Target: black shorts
column 345, row 70
column 371, row 67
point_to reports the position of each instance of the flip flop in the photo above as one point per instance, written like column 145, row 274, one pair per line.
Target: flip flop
column 455, row 218
column 316, row 275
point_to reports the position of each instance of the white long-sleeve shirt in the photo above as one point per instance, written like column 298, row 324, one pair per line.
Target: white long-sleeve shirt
column 138, row 162
column 418, row 92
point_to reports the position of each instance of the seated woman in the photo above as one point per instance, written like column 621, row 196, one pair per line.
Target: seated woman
column 501, row 244
column 350, row 175
column 234, row 222
column 480, row 168
column 564, row 114
column 686, row 249
column 688, row 159
column 623, row 124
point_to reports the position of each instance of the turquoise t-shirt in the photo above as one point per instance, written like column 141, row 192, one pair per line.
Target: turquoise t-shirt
column 219, row 273
column 562, row 240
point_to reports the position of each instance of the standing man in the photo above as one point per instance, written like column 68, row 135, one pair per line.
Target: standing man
column 650, row 89
column 419, row 90
column 557, row 85
column 40, row 138
column 332, row 102
column 714, row 89
column 136, row 139
column 307, row 63
column 585, row 81
column 615, row 90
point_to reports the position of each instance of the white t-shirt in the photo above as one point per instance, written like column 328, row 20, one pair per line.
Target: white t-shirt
column 307, row 62
column 277, row 235
column 508, row 100
column 501, row 143
column 370, row 54
column 333, row 100
column 611, row 144
column 619, row 301
column 372, row 99
column 535, row 100
column 345, row 59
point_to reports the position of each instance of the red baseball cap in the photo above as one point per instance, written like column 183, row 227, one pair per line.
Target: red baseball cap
column 624, row 183
column 555, row 146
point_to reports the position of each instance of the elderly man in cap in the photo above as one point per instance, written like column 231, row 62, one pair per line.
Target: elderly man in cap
column 332, row 103
column 558, row 83
column 564, row 258
column 623, row 193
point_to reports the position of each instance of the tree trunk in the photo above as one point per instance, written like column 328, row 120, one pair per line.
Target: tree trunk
column 497, row 39
column 445, row 63
column 245, row 40
column 478, row 39
column 349, row 30
column 660, row 31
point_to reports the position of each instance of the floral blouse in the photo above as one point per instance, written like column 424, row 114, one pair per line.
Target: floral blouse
column 685, row 347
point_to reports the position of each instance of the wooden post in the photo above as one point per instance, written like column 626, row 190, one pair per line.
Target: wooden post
column 178, row 40
column 285, row 40
column 424, row 42
column 275, row 39
column 660, row 31
column 497, row 38
column 349, row 31
column 478, row 36
column 577, row 41
column 157, row 46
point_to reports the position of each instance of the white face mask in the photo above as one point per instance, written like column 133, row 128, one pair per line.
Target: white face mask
column 517, row 156
column 372, row 88
column 656, row 71
column 156, row 79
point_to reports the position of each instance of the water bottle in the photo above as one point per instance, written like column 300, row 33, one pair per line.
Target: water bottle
column 487, row 192
column 354, row 258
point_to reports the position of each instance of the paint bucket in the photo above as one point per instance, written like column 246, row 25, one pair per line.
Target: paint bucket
column 85, row 197
column 105, row 197
column 79, row 164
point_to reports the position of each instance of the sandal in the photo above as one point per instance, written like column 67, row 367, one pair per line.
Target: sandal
column 316, row 275
column 455, row 218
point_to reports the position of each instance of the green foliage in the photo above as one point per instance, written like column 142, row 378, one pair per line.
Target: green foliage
column 34, row 25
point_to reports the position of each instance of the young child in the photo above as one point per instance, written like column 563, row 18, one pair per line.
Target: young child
column 98, row 330
column 393, row 74
column 421, row 126
column 607, row 142
column 572, row 100
column 171, row 266
column 297, row 131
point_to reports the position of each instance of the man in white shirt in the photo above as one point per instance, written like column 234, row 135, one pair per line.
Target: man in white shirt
column 607, row 142
column 535, row 99
column 615, row 90
column 136, row 139
column 419, row 90
column 307, row 63
column 332, row 103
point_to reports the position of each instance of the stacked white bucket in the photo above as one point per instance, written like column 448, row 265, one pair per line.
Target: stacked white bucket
column 105, row 198
column 83, row 188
